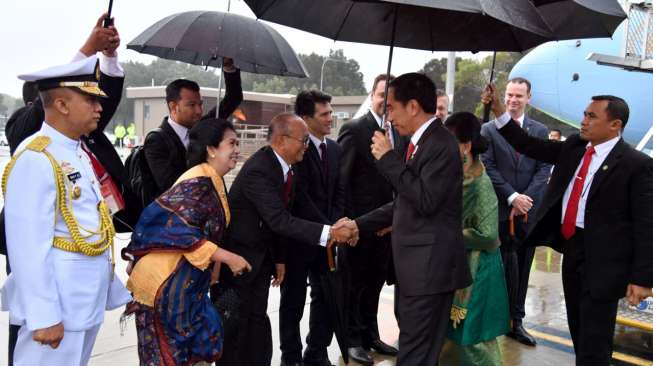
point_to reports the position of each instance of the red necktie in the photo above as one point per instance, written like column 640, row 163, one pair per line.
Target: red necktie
column 410, row 151
column 569, row 222
column 107, row 185
column 287, row 187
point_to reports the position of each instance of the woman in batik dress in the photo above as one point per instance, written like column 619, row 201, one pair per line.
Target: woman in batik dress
column 175, row 249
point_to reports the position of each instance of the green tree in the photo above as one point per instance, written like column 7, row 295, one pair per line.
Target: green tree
column 3, row 107
column 341, row 76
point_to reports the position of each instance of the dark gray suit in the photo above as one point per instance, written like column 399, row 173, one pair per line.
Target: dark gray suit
column 427, row 243
column 512, row 172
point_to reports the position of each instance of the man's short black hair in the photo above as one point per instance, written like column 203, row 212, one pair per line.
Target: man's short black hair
column 173, row 90
column 415, row 86
column 556, row 130
column 617, row 108
column 306, row 100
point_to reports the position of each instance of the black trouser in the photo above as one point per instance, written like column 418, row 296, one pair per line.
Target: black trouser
column 252, row 345
column 368, row 263
column 13, row 330
column 424, row 323
column 517, row 260
column 591, row 321
column 291, row 310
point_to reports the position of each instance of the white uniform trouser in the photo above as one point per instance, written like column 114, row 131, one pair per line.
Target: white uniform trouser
column 74, row 350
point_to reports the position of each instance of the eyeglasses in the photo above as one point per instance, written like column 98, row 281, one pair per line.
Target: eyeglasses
column 304, row 141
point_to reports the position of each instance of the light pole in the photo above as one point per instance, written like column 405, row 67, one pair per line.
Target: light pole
column 322, row 69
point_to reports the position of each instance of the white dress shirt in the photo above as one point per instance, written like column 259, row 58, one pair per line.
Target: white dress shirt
column 181, row 131
column 285, row 167
column 379, row 121
column 601, row 151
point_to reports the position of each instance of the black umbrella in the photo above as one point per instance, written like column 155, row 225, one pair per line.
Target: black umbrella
column 335, row 285
column 205, row 37
column 569, row 19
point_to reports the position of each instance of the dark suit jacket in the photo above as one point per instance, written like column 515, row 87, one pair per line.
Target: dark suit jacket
column 318, row 198
column 166, row 163
column 366, row 188
column 28, row 120
column 511, row 172
column 259, row 216
column 618, row 215
column 426, row 215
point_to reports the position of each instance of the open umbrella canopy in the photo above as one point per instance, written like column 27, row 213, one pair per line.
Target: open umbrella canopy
column 205, row 37
column 453, row 25
column 569, row 19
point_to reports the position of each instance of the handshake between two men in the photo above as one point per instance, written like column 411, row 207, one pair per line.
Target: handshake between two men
column 344, row 231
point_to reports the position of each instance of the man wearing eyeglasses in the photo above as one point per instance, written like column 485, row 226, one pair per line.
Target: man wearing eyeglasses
column 261, row 201
column 320, row 197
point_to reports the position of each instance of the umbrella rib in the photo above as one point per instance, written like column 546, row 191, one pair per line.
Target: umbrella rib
column 266, row 9
column 342, row 25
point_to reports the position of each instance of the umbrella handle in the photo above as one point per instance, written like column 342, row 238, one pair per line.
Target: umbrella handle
column 330, row 259
column 511, row 224
column 486, row 107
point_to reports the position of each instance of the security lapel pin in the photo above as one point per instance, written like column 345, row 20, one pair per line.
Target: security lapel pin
column 605, row 167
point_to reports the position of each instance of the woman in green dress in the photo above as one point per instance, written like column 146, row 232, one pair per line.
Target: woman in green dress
column 480, row 312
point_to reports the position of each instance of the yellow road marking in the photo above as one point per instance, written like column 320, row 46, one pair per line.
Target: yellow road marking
column 567, row 342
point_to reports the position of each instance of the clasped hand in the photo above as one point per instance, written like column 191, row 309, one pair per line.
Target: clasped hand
column 344, row 231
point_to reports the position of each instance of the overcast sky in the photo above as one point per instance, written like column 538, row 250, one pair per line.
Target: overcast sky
column 35, row 34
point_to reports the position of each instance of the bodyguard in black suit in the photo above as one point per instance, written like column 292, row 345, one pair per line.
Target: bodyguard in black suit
column 319, row 198
column 519, row 183
column 426, row 218
column 370, row 261
column 597, row 212
column 261, row 199
column 165, row 152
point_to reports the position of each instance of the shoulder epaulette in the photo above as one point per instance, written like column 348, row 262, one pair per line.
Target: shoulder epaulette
column 39, row 143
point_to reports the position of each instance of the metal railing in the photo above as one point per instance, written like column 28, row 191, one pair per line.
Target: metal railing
column 639, row 38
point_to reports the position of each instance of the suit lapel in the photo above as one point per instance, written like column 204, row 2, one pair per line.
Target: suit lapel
column 607, row 167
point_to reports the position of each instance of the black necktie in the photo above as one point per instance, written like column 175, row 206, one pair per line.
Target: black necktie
column 325, row 167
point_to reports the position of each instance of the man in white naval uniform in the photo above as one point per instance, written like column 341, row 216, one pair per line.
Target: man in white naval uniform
column 58, row 226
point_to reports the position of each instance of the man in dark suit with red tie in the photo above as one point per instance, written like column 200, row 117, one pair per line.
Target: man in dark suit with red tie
column 597, row 212
column 261, row 199
column 426, row 218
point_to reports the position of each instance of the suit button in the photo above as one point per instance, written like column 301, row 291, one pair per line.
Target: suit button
column 260, row 224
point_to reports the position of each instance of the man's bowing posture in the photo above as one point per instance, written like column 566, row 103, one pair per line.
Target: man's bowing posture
column 58, row 226
column 261, row 200
column 426, row 218
column 597, row 212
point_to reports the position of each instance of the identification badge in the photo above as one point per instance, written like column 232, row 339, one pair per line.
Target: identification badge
column 73, row 177
column 112, row 196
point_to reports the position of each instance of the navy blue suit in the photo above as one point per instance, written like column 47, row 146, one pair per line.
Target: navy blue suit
column 512, row 172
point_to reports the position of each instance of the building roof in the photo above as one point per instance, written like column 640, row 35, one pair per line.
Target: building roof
column 156, row 92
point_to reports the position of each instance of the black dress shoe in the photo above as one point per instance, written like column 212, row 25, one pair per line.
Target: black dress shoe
column 520, row 334
column 382, row 348
column 361, row 356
